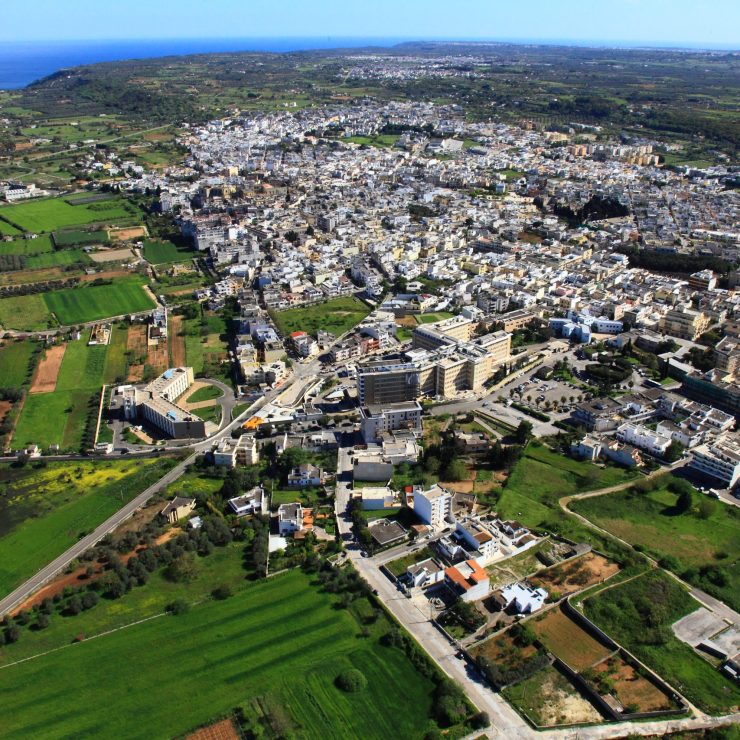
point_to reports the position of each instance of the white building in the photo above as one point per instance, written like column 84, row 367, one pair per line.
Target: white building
column 156, row 403
column 378, row 419
column 251, row 502
column 721, row 460
column 233, row 452
column 468, row 580
column 432, row 506
column 290, row 518
column 643, row 438
column 479, row 540
column 523, row 599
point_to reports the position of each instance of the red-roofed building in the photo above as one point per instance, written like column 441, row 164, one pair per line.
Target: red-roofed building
column 468, row 580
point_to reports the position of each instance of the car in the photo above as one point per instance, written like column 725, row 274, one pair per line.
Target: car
column 363, row 554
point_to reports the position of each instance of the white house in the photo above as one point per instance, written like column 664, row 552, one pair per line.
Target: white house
column 250, row 502
column 306, row 475
column 290, row 518
column 432, row 506
column 523, row 599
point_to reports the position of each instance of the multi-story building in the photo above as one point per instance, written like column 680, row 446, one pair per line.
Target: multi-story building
column 684, row 323
column 232, row 452
column 378, row 419
column 721, row 460
column 727, row 356
column 156, row 403
column 644, row 438
column 432, row 506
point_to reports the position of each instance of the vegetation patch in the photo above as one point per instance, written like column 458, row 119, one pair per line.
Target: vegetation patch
column 337, row 316
column 160, row 252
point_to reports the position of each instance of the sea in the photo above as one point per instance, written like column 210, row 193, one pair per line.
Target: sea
column 23, row 62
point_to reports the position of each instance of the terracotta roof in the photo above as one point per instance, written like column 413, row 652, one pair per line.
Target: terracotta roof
column 478, row 573
column 457, row 577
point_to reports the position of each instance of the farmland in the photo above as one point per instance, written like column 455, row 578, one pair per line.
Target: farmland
column 46, row 509
column 116, row 365
column 39, row 245
column 15, row 358
column 161, row 252
column 72, row 238
column 52, row 418
column 40, row 216
column 638, row 615
column 700, row 544
column 233, row 642
column 57, row 259
column 89, row 303
column 337, row 316
column 26, row 312
column 82, row 366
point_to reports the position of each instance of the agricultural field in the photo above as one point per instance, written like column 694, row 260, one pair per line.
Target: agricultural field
column 700, row 544
column 73, row 238
column 235, row 641
column 40, row 245
column 7, row 229
column 53, row 418
column 162, row 252
column 41, row 216
column 542, row 477
column 638, row 615
column 15, row 359
column 57, row 259
column 337, row 315
column 48, row 506
column 82, row 367
column 25, row 312
column 116, row 364
column 89, row 303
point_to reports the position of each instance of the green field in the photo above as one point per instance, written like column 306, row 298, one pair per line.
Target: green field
column 82, row 367
column 45, row 510
column 542, row 477
column 430, row 318
column 699, row 544
column 116, row 365
column 52, row 418
column 25, row 312
column 161, row 252
column 76, row 237
column 40, row 245
column 250, row 647
column 206, row 393
column 7, row 229
column 209, row 413
column 382, row 141
column 57, row 259
column 14, row 363
column 89, row 303
column 39, row 216
column 337, row 315
column 638, row 615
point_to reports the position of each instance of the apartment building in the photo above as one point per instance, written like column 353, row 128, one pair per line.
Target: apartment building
column 379, row 419
column 232, row 452
column 721, row 460
column 727, row 356
column 432, row 506
column 684, row 323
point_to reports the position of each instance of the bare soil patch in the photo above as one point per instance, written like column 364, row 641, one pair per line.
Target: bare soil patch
column 631, row 689
column 136, row 343
column 177, row 341
column 563, row 637
column 129, row 233
column 111, row 255
column 45, row 377
column 5, row 407
column 562, row 707
column 575, row 575
column 104, row 275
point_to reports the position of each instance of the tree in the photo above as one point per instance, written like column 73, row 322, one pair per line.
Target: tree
column 673, row 452
column 42, row 622
column 684, row 502
column 523, row 432
column 351, row 681
column 183, row 569
column 455, row 470
column 178, row 607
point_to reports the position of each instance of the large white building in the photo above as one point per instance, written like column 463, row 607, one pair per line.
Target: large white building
column 233, row 452
column 721, row 461
column 432, row 506
column 644, row 438
column 377, row 419
column 156, row 403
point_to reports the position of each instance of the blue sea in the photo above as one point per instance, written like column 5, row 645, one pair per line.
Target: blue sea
column 23, row 62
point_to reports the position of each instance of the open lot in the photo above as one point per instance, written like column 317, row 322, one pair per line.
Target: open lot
column 161, row 252
column 52, row 418
column 638, row 614
column 542, row 477
column 46, row 509
column 337, row 315
column 549, row 699
column 25, row 312
column 633, row 691
column 575, row 575
column 235, row 642
column 564, row 638
column 701, row 544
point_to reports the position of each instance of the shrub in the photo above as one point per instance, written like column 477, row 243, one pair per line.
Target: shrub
column 221, row 592
column 351, row 681
column 178, row 607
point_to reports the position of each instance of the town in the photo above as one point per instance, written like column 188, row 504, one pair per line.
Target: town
column 478, row 379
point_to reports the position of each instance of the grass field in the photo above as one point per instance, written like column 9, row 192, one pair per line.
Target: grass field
column 7, row 229
column 25, row 312
column 542, row 477
column 638, row 615
column 382, row 141
column 161, row 252
column 89, row 303
column 431, row 318
column 77, row 237
column 39, row 216
column 14, row 362
column 687, row 541
column 251, row 646
column 337, row 315
column 45, row 510
column 82, row 367
column 52, row 418
column 57, row 259
column 116, row 365
column 209, row 413
column 206, row 393
column 39, row 245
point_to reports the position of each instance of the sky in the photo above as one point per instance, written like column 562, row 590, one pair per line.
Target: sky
column 661, row 22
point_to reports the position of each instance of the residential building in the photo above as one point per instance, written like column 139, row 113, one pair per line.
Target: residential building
column 179, row 508
column 251, row 502
column 468, row 580
column 232, row 452
column 305, row 476
column 720, row 460
column 522, row 598
column 432, row 506
column 684, row 323
column 290, row 518
column 378, row 419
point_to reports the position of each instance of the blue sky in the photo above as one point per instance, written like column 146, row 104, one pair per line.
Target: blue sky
column 697, row 22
